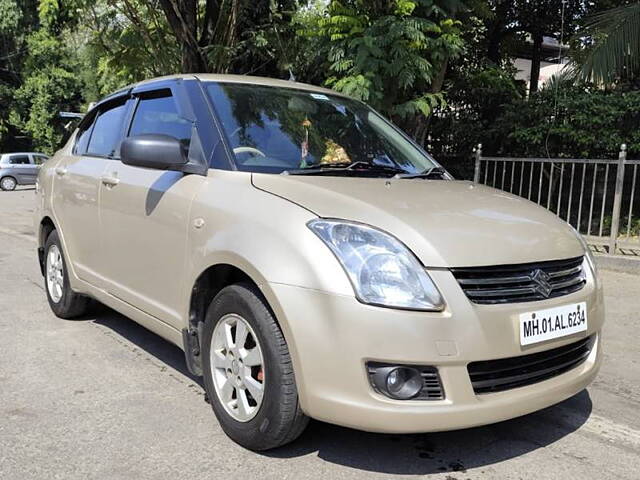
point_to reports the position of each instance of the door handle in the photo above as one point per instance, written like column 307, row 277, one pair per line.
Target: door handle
column 110, row 181
column 61, row 171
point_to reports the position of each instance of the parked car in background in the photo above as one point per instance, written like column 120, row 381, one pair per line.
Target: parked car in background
column 312, row 261
column 19, row 168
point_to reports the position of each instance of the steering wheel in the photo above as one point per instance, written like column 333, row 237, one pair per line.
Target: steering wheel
column 238, row 150
column 255, row 151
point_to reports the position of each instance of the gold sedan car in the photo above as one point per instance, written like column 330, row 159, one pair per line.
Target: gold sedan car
column 312, row 261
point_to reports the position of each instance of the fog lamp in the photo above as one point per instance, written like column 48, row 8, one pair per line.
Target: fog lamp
column 400, row 383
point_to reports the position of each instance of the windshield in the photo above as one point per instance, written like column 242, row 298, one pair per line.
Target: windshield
column 273, row 130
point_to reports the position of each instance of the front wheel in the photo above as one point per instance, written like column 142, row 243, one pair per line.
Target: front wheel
column 247, row 371
column 64, row 302
column 8, row 183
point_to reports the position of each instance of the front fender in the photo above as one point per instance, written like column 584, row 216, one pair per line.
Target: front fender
column 264, row 235
column 232, row 222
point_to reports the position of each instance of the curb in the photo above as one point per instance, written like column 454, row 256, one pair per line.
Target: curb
column 618, row 263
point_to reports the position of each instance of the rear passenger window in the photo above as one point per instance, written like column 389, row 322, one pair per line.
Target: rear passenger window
column 107, row 132
column 19, row 160
column 159, row 115
column 82, row 138
column 39, row 159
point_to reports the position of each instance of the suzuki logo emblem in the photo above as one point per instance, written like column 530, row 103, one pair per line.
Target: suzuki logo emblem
column 541, row 280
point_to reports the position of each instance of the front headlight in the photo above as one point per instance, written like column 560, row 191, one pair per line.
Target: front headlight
column 381, row 269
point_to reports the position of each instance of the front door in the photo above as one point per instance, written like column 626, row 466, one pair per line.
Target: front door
column 76, row 189
column 145, row 218
column 20, row 165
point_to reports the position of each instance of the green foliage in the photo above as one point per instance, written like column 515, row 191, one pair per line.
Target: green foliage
column 17, row 20
column 50, row 85
column 477, row 99
column 310, row 50
column 615, row 53
column 10, row 16
column 563, row 120
column 37, row 103
column 539, row 127
column 393, row 54
column 124, row 42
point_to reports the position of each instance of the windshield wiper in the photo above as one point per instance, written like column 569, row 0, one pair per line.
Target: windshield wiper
column 441, row 172
column 359, row 166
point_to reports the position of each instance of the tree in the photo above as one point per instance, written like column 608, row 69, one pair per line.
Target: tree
column 614, row 50
column 500, row 27
column 49, row 86
column 212, row 34
column 540, row 18
column 47, row 78
column 477, row 99
column 17, row 21
column 513, row 25
column 392, row 54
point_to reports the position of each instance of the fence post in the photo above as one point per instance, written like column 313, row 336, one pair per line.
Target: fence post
column 617, row 200
column 478, row 155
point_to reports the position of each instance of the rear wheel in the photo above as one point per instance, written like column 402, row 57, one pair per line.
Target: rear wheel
column 247, row 371
column 64, row 302
column 8, row 183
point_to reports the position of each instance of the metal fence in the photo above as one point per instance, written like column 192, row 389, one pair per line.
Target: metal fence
column 597, row 196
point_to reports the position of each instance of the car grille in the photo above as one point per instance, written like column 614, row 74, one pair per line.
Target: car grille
column 498, row 375
column 521, row 283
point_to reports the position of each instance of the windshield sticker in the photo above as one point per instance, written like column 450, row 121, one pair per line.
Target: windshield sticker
column 319, row 96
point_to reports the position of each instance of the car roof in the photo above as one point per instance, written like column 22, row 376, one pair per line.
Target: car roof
column 223, row 78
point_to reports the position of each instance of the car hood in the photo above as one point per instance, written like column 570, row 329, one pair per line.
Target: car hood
column 445, row 223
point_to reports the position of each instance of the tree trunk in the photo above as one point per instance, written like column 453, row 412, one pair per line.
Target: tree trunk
column 494, row 47
column 497, row 32
column 183, row 20
column 191, row 60
column 535, row 62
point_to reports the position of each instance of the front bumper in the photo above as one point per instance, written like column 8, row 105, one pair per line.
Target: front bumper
column 331, row 338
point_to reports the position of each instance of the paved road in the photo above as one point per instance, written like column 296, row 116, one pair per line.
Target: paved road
column 104, row 398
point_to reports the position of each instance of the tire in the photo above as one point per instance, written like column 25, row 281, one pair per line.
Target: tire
column 64, row 302
column 8, row 183
column 278, row 419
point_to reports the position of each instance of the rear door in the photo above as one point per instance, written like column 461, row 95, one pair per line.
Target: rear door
column 145, row 215
column 76, row 190
column 32, row 172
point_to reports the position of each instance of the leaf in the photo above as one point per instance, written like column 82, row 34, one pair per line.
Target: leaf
column 616, row 53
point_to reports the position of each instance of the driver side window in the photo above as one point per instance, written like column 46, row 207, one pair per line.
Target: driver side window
column 19, row 160
column 158, row 114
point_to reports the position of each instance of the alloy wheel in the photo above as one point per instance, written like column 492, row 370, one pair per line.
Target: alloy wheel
column 237, row 367
column 55, row 274
column 8, row 183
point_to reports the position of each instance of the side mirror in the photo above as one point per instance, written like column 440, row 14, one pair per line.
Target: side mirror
column 161, row 152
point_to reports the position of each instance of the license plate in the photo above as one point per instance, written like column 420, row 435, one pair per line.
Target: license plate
column 551, row 323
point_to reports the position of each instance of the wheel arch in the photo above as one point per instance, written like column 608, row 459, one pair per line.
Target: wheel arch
column 207, row 285
column 46, row 227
